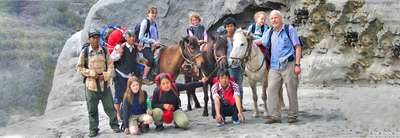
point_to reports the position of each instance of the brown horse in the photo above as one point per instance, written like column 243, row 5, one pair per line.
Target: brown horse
column 172, row 57
column 214, row 59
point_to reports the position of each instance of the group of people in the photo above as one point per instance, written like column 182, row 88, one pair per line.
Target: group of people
column 134, row 108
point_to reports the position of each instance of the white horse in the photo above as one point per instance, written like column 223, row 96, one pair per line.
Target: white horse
column 255, row 66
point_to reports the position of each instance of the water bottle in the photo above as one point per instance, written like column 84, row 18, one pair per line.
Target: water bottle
column 148, row 103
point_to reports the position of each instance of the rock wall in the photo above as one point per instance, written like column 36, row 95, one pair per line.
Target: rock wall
column 350, row 41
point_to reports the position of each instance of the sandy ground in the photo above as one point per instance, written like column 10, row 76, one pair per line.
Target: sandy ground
column 371, row 111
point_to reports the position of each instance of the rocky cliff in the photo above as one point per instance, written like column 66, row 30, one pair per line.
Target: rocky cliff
column 350, row 42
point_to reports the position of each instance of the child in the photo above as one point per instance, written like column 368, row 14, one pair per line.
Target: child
column 197, row 30
column 148, row 35
column 166, row 102
column 137, row 116
column 125, row 58
column 259, row 27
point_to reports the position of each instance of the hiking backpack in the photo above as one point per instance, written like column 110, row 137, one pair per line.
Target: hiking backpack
column 85, row 49
column 137, row 29
column 286, row 28
column 253, row 28
column 106, row 31
column 198, row 35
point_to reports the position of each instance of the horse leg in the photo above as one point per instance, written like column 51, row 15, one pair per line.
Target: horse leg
column 196, row 101
column 253, row 87
column 205, row 109
column 264, row 97
column 188, row 93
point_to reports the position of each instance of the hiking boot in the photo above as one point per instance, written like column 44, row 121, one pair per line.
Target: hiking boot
column 292, row 120
column 116, row 130
column 93, row 133
column 271, row 121
column 159, row 128
column 144, row 127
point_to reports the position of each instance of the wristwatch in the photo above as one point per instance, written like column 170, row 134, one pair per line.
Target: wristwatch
column 297, row 65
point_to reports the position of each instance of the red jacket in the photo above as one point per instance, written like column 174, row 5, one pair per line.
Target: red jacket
column 228, row 93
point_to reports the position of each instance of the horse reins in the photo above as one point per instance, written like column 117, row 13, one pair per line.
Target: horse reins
column 247, row 57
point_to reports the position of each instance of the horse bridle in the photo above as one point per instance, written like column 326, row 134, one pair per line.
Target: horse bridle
column 218, row 59
column 247, row 57
column 185, row 52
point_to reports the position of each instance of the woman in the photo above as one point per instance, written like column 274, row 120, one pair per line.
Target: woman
column 166, row 102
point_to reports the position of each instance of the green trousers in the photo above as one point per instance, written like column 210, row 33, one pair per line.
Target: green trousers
column 92, row 101
column 179, row 117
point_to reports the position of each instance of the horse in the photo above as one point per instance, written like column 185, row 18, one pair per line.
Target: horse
column 214, row 59
column 173, row 57
column 255, row 66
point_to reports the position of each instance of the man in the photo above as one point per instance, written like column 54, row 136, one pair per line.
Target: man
column 234, row 67
column 285, row 66
column 95, row 65
column 226, row 97
column 124, row 57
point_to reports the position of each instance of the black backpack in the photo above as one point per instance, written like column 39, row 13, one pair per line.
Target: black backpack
column 191, row 29
column 85, row 49
column 137, row 29
column 253, row 28
column 286, row 28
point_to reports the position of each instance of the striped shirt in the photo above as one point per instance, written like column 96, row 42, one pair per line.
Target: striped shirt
column 216, row 88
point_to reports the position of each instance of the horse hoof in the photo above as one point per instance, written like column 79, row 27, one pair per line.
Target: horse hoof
column 256, row 115
column 205, row 114
column 265, row 115
column 198, row 106
column 189, row 108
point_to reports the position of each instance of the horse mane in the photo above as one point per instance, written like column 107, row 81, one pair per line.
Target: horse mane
column 249, row 38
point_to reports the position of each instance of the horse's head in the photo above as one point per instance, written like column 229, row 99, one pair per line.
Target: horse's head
column 220, row 51
column 191, row 52
column 191, row 49
column 241, row 45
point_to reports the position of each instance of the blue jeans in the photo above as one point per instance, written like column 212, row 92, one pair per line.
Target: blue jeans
column 229, row 110
column 237, row 74
column 120, row 87
column 148, row 54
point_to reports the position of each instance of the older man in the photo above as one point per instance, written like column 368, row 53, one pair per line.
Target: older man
column 284, row 44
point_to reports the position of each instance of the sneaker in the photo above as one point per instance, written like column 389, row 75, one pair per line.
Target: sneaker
column 220, row 124
column 159, row 128
column 292, row 120
column 116, row 130
column 271, row 121
column 93, row 133
column 235, row 122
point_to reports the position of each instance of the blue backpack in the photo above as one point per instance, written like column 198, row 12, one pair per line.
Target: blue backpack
column 106, row 31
